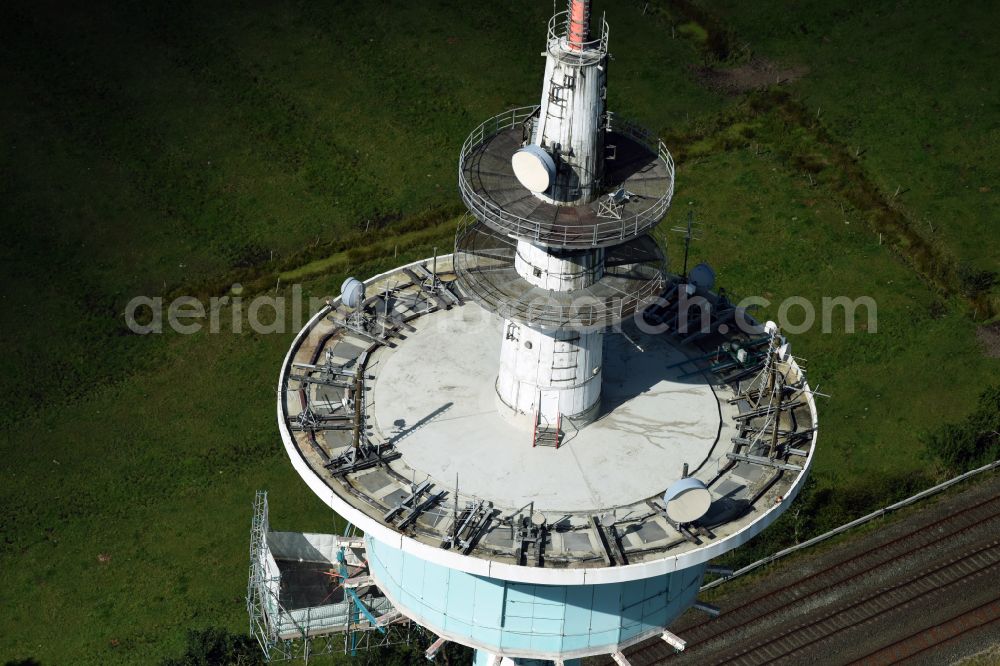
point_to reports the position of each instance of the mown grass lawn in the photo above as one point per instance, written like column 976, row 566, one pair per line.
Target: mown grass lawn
column 911, row 86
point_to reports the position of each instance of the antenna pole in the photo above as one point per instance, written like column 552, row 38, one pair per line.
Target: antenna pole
column 434, row 269
column 385, row 313
column 687, row 242
column 357, row 412
column 775, row 392
column 454, row 525
column 579, row 20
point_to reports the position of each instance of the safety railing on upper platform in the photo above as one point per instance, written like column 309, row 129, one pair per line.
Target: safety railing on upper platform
column 600, row 234
column 585, row 53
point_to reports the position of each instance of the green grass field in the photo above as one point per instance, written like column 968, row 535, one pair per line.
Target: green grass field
column 908, row 85
column 170, row 148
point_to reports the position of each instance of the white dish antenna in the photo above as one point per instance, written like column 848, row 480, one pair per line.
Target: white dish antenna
column 770, row 328
column 352, row 292
column 702, row 276
column 687, row 500
column 534, row 168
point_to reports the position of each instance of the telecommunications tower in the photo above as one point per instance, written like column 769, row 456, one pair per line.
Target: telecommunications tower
column 545, row 436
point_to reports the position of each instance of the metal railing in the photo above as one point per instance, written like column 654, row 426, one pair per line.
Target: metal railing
column 571, row 236
column 587, row 53
column 479, row 268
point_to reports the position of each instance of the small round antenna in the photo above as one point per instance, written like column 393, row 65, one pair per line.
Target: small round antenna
column 352, row 292
column 702, row 276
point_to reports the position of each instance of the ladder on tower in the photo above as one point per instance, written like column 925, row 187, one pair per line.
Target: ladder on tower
column 545, row 434
column 565, row 361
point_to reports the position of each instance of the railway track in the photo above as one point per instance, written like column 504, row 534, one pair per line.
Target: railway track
column 922, row 587
column 984, row 616
column 784, row 624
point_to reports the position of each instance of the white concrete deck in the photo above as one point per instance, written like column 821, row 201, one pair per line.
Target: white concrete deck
column 434, row 397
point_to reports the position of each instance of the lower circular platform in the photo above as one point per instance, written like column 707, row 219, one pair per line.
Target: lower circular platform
column 434, row 398
column 485, row 261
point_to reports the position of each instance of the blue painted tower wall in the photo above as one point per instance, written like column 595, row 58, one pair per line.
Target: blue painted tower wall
column 483, row 659
column 529, row 619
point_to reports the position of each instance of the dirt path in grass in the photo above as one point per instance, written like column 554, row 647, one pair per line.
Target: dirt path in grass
column 758, row 74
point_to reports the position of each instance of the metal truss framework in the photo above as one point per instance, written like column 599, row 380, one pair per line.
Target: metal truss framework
column 270, row 621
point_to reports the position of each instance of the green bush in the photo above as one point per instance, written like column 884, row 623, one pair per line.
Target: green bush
column 975, row 282
column 972, row 442
column 412, row 654
column 215, row 646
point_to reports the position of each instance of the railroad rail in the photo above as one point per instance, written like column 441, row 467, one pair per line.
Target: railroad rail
column 919, row 642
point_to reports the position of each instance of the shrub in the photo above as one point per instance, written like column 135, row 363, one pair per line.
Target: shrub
column 972, row 442
column 412, row 654
column 974, row 282
column 215, row 646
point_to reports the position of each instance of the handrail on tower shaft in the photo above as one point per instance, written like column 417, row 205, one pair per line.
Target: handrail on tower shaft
column 579, row 19
column 534, row 433
column 558, row 428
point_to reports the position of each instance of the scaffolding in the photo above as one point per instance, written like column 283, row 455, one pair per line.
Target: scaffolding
column 310, row 594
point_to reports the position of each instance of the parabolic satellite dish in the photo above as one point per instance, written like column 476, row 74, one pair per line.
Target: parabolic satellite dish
column 687, row 500
column 702, row 276
column 352, row 292
column 534, row 168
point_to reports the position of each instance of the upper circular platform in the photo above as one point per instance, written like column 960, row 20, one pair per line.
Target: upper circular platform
column 484, row 262
column 427, row 407
column 638, row 185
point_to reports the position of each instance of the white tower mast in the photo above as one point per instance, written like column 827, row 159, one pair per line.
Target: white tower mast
column 552, row 371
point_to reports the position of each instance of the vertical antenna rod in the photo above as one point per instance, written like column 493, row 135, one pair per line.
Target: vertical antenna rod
column 454, row 525
column 358, row 408
column 687, row 243
column 579, row 20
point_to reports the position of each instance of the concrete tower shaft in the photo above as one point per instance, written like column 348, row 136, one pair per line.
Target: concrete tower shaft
column 552, row 373
column 563, row 195
column 571, row 120
column 555, row 270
